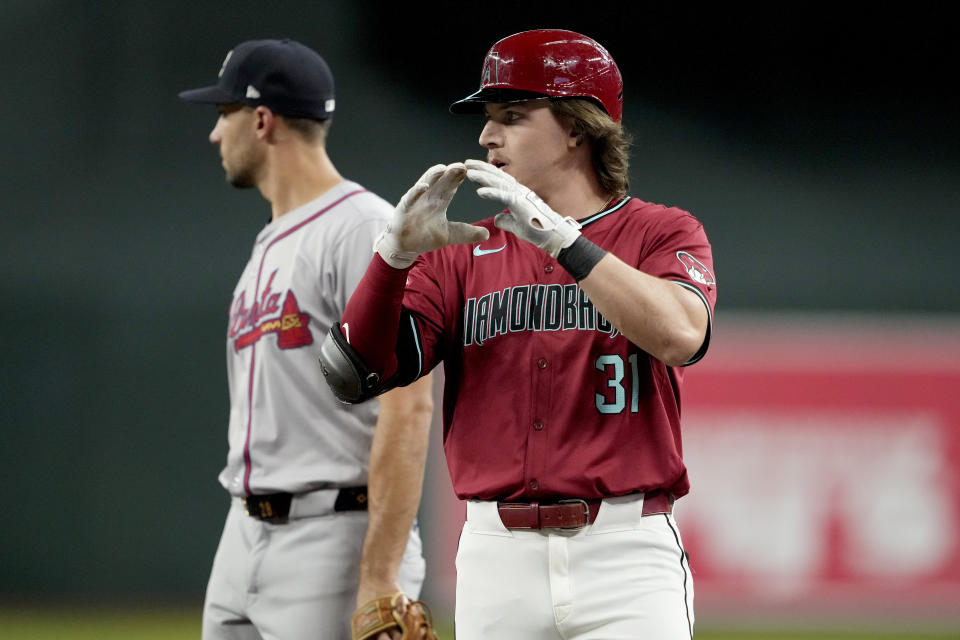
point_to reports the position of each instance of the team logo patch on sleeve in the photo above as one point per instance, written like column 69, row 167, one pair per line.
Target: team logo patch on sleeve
column 697, row 271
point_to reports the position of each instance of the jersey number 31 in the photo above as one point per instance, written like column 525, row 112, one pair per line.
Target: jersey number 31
column 614, row 365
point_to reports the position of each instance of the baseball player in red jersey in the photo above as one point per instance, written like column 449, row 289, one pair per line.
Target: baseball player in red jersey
column 288, row 563
column 564, row 324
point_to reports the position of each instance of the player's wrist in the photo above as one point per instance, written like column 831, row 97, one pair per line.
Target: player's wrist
column 386, row 245
column 580, row 257
column 565, row 234
column 376, row 589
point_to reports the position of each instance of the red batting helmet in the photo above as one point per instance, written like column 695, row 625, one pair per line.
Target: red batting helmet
column 547, row 62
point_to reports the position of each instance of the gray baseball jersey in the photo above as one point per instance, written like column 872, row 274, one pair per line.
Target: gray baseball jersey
column 287, row 431
column 288, row 434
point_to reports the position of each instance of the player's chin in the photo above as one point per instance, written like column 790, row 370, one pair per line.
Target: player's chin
column 240, row 180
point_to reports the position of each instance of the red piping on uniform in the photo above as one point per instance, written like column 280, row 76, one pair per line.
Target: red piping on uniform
column 253, row 347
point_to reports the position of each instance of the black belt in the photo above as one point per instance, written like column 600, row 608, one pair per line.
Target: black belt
column 275, row 507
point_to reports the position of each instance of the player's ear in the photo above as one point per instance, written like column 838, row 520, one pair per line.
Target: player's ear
column 264, row 120
column 575, row 135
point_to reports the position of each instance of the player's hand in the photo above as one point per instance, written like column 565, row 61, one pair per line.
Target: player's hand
column 420, row 220
column 529, row 218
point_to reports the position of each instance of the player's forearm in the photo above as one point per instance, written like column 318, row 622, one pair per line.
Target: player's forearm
column 397, row 460
column 657, row 315
column 371, row 321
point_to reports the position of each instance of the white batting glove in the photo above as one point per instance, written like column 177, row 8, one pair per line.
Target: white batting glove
column 529, row 218
column 420, row 220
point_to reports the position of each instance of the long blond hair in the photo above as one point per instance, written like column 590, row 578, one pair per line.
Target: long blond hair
column 610, row 143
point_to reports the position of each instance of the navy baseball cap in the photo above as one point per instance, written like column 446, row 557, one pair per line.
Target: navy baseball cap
column 289, row 78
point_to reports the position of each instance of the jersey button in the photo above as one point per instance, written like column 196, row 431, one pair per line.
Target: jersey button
column 542, row 363
column 538, row 426
column 548, row 268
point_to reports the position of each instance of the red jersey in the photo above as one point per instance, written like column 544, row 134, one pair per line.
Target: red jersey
column 543, row 397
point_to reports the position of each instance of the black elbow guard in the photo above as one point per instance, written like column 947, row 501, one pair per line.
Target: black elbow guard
column 345, row 371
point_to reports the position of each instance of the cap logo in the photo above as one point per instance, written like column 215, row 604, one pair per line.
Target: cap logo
column 252, row 92
column 224, row 65
column 491, row 70
column 329, row 105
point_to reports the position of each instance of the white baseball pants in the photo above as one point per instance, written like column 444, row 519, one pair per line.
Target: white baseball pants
column 624, row 576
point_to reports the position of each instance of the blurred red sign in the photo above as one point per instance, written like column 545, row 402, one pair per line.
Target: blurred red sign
column 825, row 466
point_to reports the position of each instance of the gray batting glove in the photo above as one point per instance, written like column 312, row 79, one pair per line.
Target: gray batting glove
column 420, row 220
column 529, row 218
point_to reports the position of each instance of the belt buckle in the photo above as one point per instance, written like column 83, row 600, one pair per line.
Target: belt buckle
column 586, row 512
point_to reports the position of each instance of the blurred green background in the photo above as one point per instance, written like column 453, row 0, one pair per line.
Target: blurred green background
column 820, row 146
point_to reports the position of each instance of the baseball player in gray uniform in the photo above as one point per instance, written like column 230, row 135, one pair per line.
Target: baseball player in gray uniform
column 289, row 559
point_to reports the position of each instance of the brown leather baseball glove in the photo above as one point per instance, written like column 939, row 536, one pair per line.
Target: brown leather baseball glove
column 395, row 611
